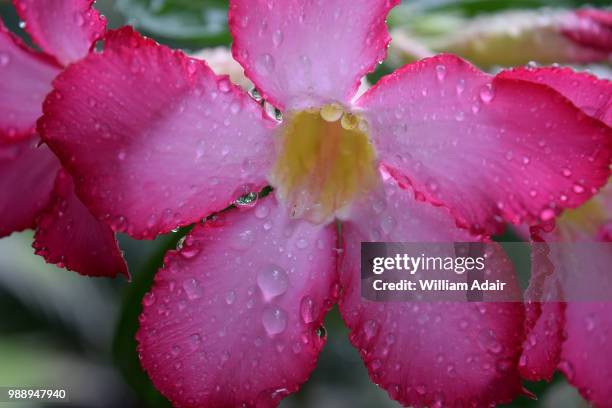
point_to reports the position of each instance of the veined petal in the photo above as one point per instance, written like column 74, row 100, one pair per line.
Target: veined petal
column 487, row 148
column 69, row 236
column 27, row 173
column 65, row 29
column 26, row 80
column 304, row 53
column 589, row 93
column 154, row 139
column 233, row 318
column 432, row 354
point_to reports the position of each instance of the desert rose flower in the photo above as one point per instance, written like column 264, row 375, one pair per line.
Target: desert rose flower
column 513, row 38
column 234, row 316
column 36, row 193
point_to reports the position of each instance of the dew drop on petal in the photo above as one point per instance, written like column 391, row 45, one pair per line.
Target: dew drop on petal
column 265, row 64
column 486, row 93
column 307, row 310
column 192, row 288
column 274, row 320
column 441, row 72
column 272, row 281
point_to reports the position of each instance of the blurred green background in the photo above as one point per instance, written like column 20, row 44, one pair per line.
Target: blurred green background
column 61, row 329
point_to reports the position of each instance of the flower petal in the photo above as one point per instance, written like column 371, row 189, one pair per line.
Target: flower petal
column 69, row 236
column 591, row 28
column 156, row 139
column 301, row 53
column 586, row 91
column 27, row 173
column 586, row 357
column 487, row 148
column 427, row 353
column 26, row 79
column 233, row 316
column 65, row 29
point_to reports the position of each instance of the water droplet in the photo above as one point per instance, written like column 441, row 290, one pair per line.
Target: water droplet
column 262, row 211
column 121, row 155
column 4, row 59
column 332, row 112
column 349, row 121
column 224, row 85
column 441, row 72
column 369, row 329
column 192, row 289
column 274, row 320
column 589, row 323
column 235, row 107
column 265, row 64
column 567, row 173
column 301, row 243
column 486, row 93
column 272, row 281
column 547, row 214
column 277, row 38
column 578, row 189
column 307, row 310
column 230, row 297
column 148, row 299
column 79, row 20
column 387, row 224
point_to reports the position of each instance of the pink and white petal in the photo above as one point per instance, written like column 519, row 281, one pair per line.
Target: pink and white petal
column 233, row 318
column 586, row 91
column 427, row 353
column 65, row 29
column 27, row 173
column 304, row 53
column 69, row 236
column 26, row 80
column 154, row 139
column 488, row 148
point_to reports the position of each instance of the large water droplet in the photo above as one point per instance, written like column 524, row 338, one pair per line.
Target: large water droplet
column 192, row 289
column 307, row 310
column 265, row 64
column 274, row 320
column 272, row 281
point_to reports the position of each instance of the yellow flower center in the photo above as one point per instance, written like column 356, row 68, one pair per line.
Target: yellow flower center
column 324, row 161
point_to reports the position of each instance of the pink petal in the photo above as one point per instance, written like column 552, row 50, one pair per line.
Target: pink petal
column 156, row 139
column 591, row 28
column 233, row 316
column 542, row 344
column 65, row 29
column 592, row 95
column 26, row 79
column 586, row 358
column 27, row 173
column 487, row 148
column 301, row 53
column 69, row 236
column 427, row 353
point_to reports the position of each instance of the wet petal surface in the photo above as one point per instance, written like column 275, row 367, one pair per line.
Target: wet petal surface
column 27, row 173
column 233, row 317
column 157, row 140
column 26, row 80
column 65, row 29
column 302, row 54
column 427, row 353
column 69, row 236
column 487, row 148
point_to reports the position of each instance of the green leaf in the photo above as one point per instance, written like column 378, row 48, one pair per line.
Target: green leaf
column 197, row 23
column 124, row 344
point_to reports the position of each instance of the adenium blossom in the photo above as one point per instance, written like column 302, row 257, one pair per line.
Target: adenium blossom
column 515, row 37
column 155, row 140
column 66, row 232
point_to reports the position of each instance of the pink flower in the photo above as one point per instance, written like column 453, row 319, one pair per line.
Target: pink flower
column 36, row 192
column 155, row 140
